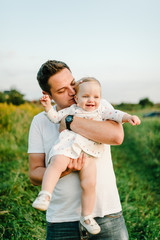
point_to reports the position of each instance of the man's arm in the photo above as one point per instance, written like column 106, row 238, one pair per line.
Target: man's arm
column 36, row 167
column 108, row 132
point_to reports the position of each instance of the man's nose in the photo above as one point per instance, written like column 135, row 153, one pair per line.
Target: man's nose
column 71, row 91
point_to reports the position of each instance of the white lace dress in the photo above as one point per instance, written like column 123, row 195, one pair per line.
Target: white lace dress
column 72, row 144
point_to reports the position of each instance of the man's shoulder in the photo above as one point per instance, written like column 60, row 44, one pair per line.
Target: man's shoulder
column 40, row 118
column 40, row 115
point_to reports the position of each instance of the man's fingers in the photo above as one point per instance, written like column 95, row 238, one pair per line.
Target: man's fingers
column 77, row 164
column 70, row 165
column 80, row 161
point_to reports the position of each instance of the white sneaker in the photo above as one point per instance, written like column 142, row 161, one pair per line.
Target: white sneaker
column 42, row 201
column 92, row 227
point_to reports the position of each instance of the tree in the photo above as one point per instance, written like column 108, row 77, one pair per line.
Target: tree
column 145, row 102
column 15, row 97
column 2, row 97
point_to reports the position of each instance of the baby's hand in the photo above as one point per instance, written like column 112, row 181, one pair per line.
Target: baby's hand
column 132, row 119
column 46, row 102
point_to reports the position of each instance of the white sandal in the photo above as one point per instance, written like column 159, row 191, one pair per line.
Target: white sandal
column 42, row 201
column 92, row 227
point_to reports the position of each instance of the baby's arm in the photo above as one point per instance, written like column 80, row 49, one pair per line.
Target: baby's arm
column 132, row 119
column 109, row 113
column 46, row 102
column 51, row 113
column 119, row 116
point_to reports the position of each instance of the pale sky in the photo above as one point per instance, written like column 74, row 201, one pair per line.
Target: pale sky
column 116, row 41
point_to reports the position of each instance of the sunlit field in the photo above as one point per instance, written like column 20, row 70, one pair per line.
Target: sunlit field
column 136, row 163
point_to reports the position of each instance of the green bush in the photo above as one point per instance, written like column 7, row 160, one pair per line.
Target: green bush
column 145, row 102
column 12, row 96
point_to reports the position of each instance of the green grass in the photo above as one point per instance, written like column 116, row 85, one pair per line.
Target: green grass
column 137, row 167
column 136, row 164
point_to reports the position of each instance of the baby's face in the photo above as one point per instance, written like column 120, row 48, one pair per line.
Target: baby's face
column 88, row 96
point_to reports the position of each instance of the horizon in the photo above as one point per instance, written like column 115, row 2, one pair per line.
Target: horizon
column 113, row 103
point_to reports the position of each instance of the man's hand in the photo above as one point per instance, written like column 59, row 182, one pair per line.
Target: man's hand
column 75, row 165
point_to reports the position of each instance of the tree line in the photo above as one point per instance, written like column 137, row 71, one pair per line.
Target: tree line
column 16, row 98
column 12, row 96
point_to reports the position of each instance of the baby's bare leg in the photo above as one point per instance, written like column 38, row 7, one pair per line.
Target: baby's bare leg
column 53, row 172
column 88, row 185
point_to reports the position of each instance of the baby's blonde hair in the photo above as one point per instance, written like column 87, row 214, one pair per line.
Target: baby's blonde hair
column 83, row 80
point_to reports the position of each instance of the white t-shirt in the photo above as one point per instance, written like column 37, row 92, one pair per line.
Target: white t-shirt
column 65, row 205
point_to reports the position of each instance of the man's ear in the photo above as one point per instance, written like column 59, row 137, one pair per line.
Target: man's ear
column 46, row 93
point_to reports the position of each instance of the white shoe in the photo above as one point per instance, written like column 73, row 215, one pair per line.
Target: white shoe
column 42, row 201
column 92, row 227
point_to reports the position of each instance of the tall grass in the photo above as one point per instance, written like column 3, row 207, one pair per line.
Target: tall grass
column 17, row 218
column 137, row 167
column 136, row 163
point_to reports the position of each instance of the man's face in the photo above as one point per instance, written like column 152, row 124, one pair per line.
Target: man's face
column 62, row 88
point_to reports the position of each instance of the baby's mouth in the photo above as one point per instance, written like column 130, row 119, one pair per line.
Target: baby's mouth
column 90, row 105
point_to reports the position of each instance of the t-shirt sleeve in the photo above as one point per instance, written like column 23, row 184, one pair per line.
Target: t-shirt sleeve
column 35, row 140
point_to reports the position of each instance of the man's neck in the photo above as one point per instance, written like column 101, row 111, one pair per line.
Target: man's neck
column 58, row 108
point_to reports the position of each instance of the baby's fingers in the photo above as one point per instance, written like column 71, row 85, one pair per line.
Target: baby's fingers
column 44, row 98
column 135, row 120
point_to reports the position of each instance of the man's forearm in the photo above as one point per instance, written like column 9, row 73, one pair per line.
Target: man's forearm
column 108, row 132
column 37, row 167
column 36, row 176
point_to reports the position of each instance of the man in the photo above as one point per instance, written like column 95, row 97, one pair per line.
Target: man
column 56, row 80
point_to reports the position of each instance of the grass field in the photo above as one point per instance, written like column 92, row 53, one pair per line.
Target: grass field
column 136, row 163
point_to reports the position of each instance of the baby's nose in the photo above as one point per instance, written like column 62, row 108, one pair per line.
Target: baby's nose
column 90, row 99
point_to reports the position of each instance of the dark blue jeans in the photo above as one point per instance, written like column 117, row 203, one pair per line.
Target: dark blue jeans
column 112, row 228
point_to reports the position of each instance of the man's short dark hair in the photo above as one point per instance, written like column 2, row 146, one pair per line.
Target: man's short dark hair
column 48, row 69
